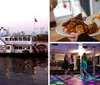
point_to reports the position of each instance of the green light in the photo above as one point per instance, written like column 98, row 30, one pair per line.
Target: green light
column 52, row 84
column 77, row 74
column 59, row 83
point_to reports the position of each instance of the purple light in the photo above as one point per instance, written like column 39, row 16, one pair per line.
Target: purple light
column 79, row 83
column 65, row 80
column 91, row 81
column 97, row 83
column 90, row 84
column 69, row 82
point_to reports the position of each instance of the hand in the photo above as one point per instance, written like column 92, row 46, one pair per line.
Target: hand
column 73, row 37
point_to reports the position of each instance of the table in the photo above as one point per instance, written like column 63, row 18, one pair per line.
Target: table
column 55, row 37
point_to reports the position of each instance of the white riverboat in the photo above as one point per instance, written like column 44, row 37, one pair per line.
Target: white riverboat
column 19, row 44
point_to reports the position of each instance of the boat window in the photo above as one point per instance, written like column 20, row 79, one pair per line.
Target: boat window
column 24, row 39
column 28, row 47
column 6, row 39
column 23, row 47
column 16, row 39
column 7, row 47
column 20, row 38
column 28, row 38
column 10, row 39
column 16, row 47
column 20, row 47
column 33, row 38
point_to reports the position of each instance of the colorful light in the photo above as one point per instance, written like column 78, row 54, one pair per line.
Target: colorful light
column 52, row 84
column 69, row 82
column 55, row 79
column 59, row 83
column 98, row 79
column 97, row 83
column 79, row 83
column 51, row 80
column 91, row 84
column 76, row 81
column 91, row 81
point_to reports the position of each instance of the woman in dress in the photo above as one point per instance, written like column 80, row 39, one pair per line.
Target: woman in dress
column 71, row 65
column 66, row 64
column 84, row 66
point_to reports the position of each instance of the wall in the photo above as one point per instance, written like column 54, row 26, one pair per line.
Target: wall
column 94, row 6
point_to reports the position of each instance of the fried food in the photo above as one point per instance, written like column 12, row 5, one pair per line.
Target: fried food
column 79, row 16
column 98, row 16
column 93, row 28
column 71, row 27
column 79, row 29
column 77, row 25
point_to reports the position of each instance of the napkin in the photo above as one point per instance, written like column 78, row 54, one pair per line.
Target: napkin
column 86, row 38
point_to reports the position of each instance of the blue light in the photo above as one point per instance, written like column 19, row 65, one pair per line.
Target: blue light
column 51, row 80
column 98, row 79
column 82, row 78
column 58, row 81
column 89, row 79
column 55, row 78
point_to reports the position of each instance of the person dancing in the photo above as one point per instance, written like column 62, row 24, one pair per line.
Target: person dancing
column 84, row 67
column 66, row 64
column 71, row 65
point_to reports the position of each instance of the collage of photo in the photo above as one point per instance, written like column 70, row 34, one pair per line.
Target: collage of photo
column 50, row 42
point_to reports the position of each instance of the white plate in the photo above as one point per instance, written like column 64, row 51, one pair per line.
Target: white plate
column 60, row 29
column 93, row 18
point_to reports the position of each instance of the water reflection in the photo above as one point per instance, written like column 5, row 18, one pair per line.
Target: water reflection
column 32, row 68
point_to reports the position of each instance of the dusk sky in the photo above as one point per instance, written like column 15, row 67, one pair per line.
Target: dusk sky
column 18, row 15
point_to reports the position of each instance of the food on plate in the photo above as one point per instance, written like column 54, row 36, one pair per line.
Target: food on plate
column 93, row 28
column 79, row 29
column 79, row 16
column 77, row 25
column 72, row 25
column 98, row 16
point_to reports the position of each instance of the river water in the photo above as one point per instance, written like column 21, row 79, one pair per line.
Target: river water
column 23, row 71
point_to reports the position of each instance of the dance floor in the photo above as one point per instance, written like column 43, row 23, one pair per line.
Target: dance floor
column 76, row 80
